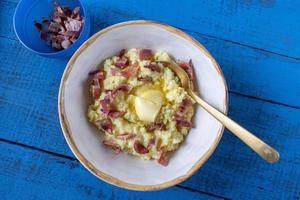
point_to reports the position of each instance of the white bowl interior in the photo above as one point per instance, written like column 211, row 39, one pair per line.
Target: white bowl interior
column 88, row 139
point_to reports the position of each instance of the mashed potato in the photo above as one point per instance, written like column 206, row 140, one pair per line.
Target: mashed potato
column 140, row 105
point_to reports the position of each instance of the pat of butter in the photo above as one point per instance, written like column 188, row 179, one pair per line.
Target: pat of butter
column 148, row 105
column 154, row 95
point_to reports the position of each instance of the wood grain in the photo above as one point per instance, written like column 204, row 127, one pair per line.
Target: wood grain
column 30, row 174
column 233, row 168
column 268, row 24
column 239, row 63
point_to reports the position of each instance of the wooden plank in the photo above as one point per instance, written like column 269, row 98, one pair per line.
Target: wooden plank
column 30, row 174
column 28, row 97
column 248, row 71
column 270, row 25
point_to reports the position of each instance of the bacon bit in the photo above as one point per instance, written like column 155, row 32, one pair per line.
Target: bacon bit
column 106, row 125
column 95, row 89
column 163, row 159
column 97, row 77
column 185, row 103
column 130, row 70
column 154, row 67
column 38, row 26
column 179, row 115
column 126, row 136
column 145, row 54
column 145, row 79
column 188, row 68
column 100, row 76
column 116, row 114
column 105, row 105
column 113, row 146
column 184, row 124
column 115, row 71
column 122, row 52
column 151, row 142
column 121, row 62
column 122, row 87
column 156, row 125
column 139, row 148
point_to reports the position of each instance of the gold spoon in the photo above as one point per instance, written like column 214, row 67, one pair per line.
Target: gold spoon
column 261, row 148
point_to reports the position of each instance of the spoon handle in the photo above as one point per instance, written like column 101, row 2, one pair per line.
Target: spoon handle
column 261, row 148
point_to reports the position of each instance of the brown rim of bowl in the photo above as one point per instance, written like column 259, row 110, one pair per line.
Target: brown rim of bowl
column 68, row 135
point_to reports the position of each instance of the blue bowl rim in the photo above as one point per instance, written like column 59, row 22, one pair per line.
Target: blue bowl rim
column 86, row 16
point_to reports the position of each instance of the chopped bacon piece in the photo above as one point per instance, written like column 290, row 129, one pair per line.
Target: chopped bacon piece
column 106, row 125
column 105, row 105
column 154, row 67
column 115, row 71
column 179, row 115
column 130, row 70
column 122, row 87
column 54, row 27
column 38, row 26
column 139, row 148
column 76, row 12
column 121, row 62
column 185, row 103
column 122, row 52
column 72, row 24
column 188, row 68
column 145, row 54
column 113, row 146
column 163, row 159
column 97, row 77
column 184, row 124
column 145, row 79
column 126, row 136
column 156, row 125
column 95, row 89
column 116, row 114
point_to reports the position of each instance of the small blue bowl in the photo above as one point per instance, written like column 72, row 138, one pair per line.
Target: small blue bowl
column 29, row 10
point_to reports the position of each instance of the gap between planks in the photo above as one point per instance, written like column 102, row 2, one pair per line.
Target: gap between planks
column 74, row 159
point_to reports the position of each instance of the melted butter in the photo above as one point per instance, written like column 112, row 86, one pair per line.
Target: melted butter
column 148, row 103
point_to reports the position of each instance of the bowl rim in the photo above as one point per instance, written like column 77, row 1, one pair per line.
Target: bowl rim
column 68, row 135
column 60, row 52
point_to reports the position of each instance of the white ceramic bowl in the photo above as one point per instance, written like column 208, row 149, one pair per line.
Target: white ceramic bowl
column 85, row 141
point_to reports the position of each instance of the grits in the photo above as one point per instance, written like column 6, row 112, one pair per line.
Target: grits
column 140, row 105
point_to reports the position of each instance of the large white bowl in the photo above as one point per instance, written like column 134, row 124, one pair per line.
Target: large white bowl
column 85, row 141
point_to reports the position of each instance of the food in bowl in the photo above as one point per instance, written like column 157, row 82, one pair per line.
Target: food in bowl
column 63, row 28
column 140, row 105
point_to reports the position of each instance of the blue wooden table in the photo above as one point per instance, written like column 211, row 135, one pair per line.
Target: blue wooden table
column 257, row 44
